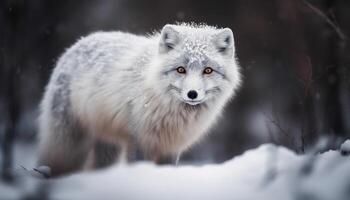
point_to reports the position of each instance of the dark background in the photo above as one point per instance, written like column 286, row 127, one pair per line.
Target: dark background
column 294, row 55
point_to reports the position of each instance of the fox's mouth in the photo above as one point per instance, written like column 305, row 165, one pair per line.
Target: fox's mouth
column 193, row 102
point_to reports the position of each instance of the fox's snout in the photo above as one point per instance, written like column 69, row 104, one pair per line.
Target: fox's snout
column 192, row 94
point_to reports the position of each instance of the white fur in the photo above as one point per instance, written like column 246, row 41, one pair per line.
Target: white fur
column 117, row 91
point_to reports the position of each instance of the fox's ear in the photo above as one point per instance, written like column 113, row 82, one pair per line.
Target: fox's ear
column 224, row 41
column 169, row 38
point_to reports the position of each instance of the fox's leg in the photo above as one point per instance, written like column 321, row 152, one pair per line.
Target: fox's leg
column 162, row 159
column 64, row 144
column 167, row 160
column 103, row 154
column 106, row 153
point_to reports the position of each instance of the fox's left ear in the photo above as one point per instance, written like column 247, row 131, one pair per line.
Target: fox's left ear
column 224, row 41
column 169, row 38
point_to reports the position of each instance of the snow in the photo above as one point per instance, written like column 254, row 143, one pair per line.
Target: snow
column 345, row 146
column 244, row 177
column 267, row 172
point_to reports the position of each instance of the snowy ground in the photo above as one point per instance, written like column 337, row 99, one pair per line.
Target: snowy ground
column 268, row 172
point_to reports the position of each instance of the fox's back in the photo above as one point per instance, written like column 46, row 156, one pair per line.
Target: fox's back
column 100, row 51
column 100, row 72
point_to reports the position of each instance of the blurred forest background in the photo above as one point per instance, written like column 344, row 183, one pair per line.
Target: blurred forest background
column 294, row 54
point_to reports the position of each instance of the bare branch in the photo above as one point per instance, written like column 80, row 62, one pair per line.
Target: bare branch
column 339, row 32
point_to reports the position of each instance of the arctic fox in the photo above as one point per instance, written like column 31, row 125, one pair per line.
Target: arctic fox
column 159, row 94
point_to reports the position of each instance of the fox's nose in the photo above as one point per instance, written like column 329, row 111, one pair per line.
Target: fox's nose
column 192, row 94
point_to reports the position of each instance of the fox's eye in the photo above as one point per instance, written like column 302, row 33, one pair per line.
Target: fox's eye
column 208, row 70
column 181, row 70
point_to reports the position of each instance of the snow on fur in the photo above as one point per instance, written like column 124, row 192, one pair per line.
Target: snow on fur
column 124, row 89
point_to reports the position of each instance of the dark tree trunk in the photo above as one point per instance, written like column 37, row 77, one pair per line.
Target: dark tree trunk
column 10, row 89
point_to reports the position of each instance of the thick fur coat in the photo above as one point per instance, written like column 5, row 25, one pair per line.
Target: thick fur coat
column 126, row 90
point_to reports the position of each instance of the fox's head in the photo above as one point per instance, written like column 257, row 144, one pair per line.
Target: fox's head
column 196, row 64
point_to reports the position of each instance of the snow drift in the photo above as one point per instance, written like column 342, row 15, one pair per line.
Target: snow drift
column 268, row 172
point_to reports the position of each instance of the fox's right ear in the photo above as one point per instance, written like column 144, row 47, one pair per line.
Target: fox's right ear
column 169, row 38
column 224, row 41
